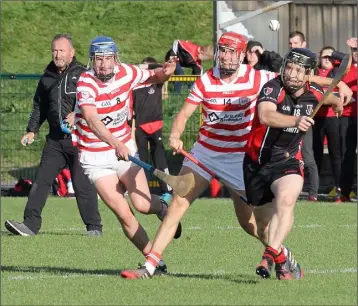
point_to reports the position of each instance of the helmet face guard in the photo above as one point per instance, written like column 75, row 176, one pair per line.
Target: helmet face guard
column 297, row 64
column 228, row 52
column 102, row 46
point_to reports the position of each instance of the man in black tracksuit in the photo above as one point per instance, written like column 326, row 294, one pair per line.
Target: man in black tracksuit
column 54, row 101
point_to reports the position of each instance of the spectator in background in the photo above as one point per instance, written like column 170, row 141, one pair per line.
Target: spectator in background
column 191, row 56
column 326, row 122
column 54, row 101
column 64, row 186
column 296, row 39
column 261, row 59
column 348, row 126
column 148, row 115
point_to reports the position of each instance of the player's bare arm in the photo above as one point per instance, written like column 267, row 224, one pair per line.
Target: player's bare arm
column 344, row 91
column 90, row 114
column 336, row 104
column 178, row 125
column 268, row 115
column 163, row 74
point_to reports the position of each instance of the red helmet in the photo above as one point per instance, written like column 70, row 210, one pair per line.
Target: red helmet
column 233, row 40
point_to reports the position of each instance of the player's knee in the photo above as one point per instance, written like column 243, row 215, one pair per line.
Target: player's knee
column 286, row 200
column 143, row 210
column 142, row 206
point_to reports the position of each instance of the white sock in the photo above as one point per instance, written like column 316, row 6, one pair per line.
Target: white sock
column 149, row 266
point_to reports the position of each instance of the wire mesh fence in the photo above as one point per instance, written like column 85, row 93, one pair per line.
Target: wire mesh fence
column 16, row 96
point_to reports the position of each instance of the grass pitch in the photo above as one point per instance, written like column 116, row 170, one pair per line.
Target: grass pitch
column 212, row 264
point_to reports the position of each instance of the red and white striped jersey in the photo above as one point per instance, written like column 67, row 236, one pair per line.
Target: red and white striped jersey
column 111, row 100
column 227, row 108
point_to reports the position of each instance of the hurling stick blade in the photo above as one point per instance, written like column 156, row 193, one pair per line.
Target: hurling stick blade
column 181, row 184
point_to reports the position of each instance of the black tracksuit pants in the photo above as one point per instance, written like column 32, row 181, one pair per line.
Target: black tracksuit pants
column 328, row 126
column 310, row 163
column 157, row 151
column 55, row 156
column 348, row 134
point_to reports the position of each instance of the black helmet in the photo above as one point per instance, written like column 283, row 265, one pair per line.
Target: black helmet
column 302, row 57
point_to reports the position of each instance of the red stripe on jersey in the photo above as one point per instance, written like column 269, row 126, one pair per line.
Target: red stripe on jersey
column 281, row 96
column 256, row 141
column 112, row 130
column 232, row 138
column 227, row 107
column 199, row 83
column 230, row 127
column 195, row 95
column 245, row 78
column 316, row 93
column 97, row 81
column 90, row 149
column 220, row 149
column 109, row 96
column 91, row 140
column 121, row 73
column 86, row 84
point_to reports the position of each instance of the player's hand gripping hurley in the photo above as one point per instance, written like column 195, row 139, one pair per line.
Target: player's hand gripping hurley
column 342, row 70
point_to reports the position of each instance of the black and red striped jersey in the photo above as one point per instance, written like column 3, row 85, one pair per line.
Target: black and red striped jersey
column 267, row 144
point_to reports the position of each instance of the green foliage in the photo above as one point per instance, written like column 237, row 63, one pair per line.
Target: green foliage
column 140, row 28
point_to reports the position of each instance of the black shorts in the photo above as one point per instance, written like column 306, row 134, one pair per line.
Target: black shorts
column 259, row 178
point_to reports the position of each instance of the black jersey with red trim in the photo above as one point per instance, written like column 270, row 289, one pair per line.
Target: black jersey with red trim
column 187, row 53
column 269, row 145
column 147, row 103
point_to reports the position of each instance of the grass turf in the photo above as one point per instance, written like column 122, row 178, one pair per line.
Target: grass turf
column 213, row 262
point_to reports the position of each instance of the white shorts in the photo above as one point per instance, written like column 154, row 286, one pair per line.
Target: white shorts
column 227, row 166
column 99, row 164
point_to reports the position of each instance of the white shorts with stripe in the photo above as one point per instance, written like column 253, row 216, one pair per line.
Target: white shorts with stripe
column 227, row 166
column 99, row 164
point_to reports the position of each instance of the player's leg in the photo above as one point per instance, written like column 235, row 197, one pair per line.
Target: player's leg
column 109, row 189
column 286, row 190
column 135, row 181
column 244, row 213
column 167, row 229
column 258, row 183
